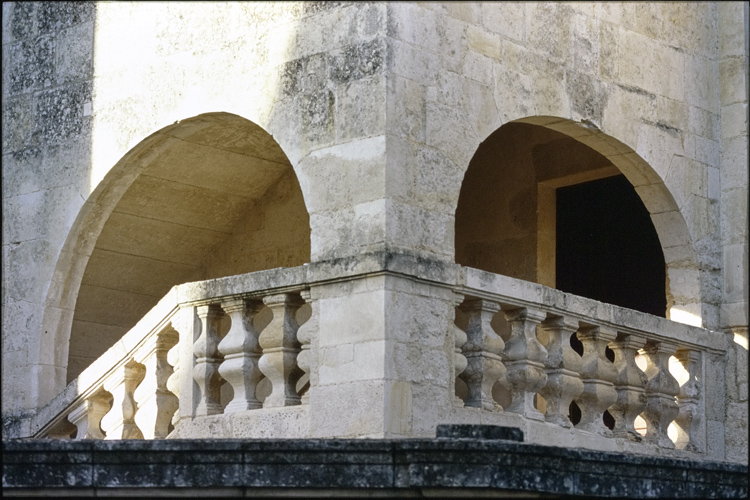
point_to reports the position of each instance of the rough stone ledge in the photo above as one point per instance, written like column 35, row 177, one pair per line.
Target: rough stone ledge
column 320, row 467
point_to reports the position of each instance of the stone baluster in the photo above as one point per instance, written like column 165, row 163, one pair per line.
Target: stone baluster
column 598, row 374
column 305, row 337
column 563, row 366
column 241, row 354
column 280, row 350
column 156, row 404
column 482, row 349
column 173, row 382
column 207, row 360
column 119, row 422
column 524, row 361
column 689, row 420
column 459, row 340
column 87, row 416
column 630, row 385
column 661, row 389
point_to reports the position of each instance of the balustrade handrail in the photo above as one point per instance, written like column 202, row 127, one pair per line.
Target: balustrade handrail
column 516, row 293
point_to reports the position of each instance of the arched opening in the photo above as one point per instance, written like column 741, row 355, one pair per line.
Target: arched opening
column 542, row 206
column 214, row 196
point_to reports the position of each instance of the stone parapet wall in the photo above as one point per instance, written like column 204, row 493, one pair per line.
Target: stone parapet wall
column 458, row 465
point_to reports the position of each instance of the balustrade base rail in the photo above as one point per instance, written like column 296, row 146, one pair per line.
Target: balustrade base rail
column 455, row 466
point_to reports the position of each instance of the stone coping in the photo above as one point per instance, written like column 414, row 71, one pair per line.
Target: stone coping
column 445, row 466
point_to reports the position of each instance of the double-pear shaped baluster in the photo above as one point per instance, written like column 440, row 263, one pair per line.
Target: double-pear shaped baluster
column 241, row 354
column 630, row 385
column 156, row 404
column 459, row 340
column 119, row 422
column 563, row 366
column 173, row 359
column 524, row 361
column 280, row 350
column 207, row 360
column 87, row 416
column 690, row 418
column 305, row 337
column 661, row 389
column 482, row 350
column 598, row 375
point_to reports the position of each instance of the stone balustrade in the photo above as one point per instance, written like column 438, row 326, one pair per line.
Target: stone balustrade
column 177, row 361
column 597, row 368
column 240, row 356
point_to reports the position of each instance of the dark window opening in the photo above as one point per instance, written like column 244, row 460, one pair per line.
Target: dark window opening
column 607, row 247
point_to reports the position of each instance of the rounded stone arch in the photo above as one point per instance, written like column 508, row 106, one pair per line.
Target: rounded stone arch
column 209, row 196
column 683, row 289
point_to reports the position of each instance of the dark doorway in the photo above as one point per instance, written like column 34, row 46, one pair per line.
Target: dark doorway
column 607, row 247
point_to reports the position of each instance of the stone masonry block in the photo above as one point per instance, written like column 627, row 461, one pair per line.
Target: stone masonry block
column 685, row 177
column 658, row 145
column 636, row 54
column 735, row 280
column 733, row 79
column 672, row 112
column 412, row 62
column 477, row 101
column 359, row 110
column 734, row 161
column 459, row 143
column 648, row 21
column 435, row 192
column 404, row 221
column 31, row 65
column 18, row 20
column 483, row 42
column 418, row 319
column 734, row 217
column 703, row 123
column 60, row 113
column 735, row 431
column 734, row 122
column 354, row 362
column 74, row 54
column 478, row 67
column 19, row 139
column 509, row 21
column 405, row 108
column 732, row 35
column 56, row 16
column 413, row 24
column 701, row 87
column 338, row 326
column 549, row 29
column 357, row 405
column 734, row 314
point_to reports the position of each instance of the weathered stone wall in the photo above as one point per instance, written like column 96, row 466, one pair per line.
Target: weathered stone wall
column 149, row 66
column 734, row 49
column 48, row 70
column 379, row 109
column 465, row 70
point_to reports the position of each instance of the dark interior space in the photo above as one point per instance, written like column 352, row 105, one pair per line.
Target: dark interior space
column 607, row 247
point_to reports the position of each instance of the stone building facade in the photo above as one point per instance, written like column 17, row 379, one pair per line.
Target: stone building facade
column 345, row 219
